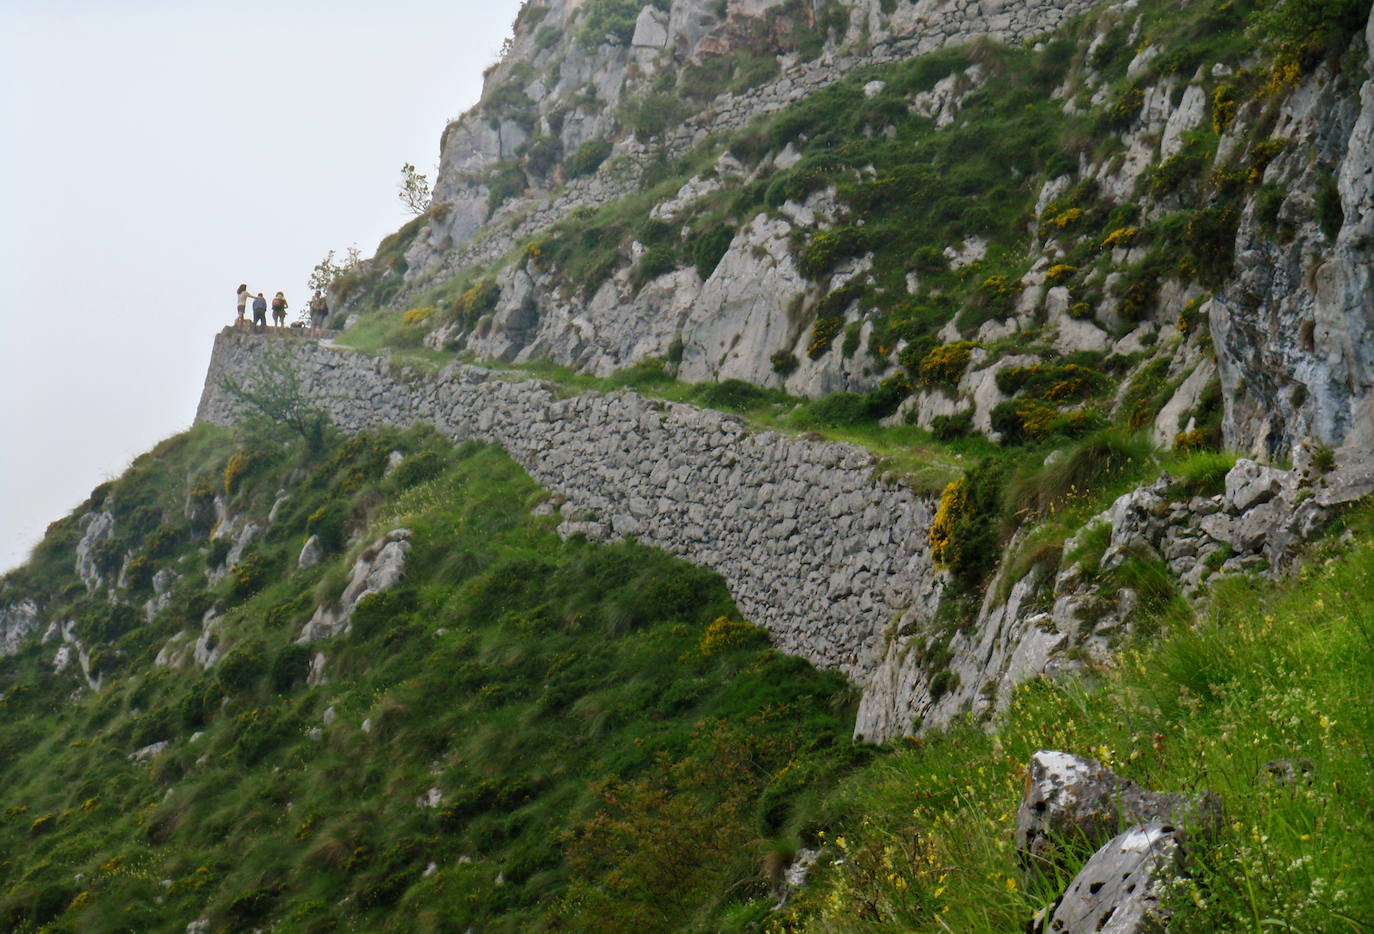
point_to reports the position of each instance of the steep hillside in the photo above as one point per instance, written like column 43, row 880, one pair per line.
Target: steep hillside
column 435, row 714
column 1107, row 192
column 972, row 238
column 988, row 380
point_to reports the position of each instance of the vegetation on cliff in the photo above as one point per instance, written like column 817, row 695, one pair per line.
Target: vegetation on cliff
column 534, row 734
column 520, row 734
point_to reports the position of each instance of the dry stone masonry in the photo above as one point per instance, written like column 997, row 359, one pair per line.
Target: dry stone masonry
column 814, row 544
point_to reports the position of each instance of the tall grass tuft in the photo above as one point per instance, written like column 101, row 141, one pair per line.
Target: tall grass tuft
column 1083, row 468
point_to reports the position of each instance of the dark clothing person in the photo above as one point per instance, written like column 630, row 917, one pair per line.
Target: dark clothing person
column 319, row 310
column 259, row 313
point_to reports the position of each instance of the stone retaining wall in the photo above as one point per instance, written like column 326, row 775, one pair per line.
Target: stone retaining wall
column 813, row 543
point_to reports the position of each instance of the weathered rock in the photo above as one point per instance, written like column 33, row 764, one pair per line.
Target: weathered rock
column 1074, row 801
column 247, row 535
column 17, row 623
column 150, row 751
column 97, row 526
column 378, row 568
column 312, row 552
column 1119, row 890
column 1249, row 484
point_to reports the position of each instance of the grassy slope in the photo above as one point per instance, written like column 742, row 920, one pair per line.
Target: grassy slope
column 1263, row 672
column 618, row 759
column 544, row 686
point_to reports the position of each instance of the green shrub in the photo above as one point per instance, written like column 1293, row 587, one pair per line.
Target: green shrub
column 505, row 181
column 200, row 703
column 588, row 158
column 541, row 154
column 655, row 261
column 651, row 371
column 607, row 20
column 108, row 621
column 965, row 533
column 649, row 115
column 945, row 365
column 477, row 300
column 139, row 573
column 1302, row 31
column 420, row 467
column 250, row 575
column 784, row 363
column 823, row 334
column 216, row 553
column 290, row 667
column 259, row 731
column 827, row 248
column 733, row 394
column 950, row 427
column 242, row 668
column 710, row 247
column 1330, row 213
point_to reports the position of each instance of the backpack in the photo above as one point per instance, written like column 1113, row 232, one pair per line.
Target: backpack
column 278, row 304
column 259, row 305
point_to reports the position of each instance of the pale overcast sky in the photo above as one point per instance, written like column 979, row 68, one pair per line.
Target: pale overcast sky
column 155, row 154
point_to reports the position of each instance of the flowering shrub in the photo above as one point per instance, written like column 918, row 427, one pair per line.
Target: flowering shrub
column 944, row 365
column 1058, row 273
column 726, row 633
column 478, row 300
column 823, row 334
column 1064, row 219
column 1122, row 236
column 953, row 501
column 1224, row 107
column 239, row 466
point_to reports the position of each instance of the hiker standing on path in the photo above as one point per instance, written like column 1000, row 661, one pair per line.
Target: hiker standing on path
column 259, row 313
column 319, row 310
column 279, row 310
column 243, row 303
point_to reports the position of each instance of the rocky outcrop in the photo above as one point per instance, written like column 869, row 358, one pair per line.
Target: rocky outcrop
column 97, row 527
column 1072, row 803
column 1121, row 889
column 379, row 567
column 1295, row 345
column 17, row 623
column 554, row 81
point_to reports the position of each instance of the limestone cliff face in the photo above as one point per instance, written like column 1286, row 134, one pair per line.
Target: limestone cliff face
column 1293, row 330
column 1287, row 323
column 557, row 91
column 1191, row 260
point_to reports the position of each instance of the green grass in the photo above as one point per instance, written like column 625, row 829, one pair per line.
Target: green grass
column 1263, row 672
column 541, row 684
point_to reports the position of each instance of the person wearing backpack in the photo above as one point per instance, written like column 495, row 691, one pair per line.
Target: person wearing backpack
column 259, row 313
column 319, row 310
column 279, row 310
